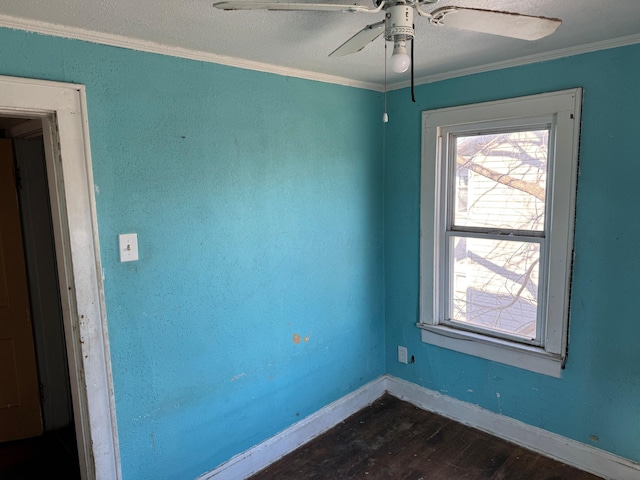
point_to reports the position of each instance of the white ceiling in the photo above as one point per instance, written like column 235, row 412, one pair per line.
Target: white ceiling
column 298, row 43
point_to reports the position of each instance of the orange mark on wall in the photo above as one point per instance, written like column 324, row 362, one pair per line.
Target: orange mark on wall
column 296, row 339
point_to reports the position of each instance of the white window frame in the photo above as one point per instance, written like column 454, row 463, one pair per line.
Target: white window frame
column 562, row 111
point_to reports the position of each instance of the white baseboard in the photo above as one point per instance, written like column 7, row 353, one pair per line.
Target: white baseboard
column 565, row 450
column 255, row 459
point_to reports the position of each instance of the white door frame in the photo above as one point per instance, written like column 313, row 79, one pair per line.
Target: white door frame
column 62, row 109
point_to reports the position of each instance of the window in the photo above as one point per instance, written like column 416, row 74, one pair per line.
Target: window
column 497, row 209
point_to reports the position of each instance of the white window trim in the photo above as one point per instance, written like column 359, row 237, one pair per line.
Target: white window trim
column 564, row 106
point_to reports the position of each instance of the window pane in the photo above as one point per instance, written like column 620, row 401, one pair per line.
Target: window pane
column 495, row 285
column 500, row 180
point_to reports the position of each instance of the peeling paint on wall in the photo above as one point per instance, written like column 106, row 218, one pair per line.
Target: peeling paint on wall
column 297, row 339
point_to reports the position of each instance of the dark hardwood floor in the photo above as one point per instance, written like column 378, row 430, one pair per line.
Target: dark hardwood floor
column 52, row 455
column 392, row 439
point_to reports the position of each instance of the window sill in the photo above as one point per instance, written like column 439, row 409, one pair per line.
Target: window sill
column 527, row 357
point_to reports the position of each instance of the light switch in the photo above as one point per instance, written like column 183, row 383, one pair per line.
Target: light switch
column 128, row 247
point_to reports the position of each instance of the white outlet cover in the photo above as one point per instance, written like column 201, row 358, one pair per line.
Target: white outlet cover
column 403, row 355
column 128, row 247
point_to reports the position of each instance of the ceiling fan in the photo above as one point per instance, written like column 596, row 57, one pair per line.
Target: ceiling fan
column 398, row 26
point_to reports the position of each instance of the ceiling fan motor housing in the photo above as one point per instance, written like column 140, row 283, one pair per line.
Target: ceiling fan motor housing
column 399, row 23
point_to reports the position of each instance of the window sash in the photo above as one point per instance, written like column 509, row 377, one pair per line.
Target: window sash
column 447, row 203
column 450, row 155
column 446, row 317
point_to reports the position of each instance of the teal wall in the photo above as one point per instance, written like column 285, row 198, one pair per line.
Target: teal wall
column 261, row 203
column 599, row 392
column 257, row 200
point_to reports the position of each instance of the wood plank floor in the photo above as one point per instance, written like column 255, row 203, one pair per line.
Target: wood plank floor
column 392, row 439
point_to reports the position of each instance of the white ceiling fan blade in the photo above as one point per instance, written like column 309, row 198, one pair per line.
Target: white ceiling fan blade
column 506, row 24
column 360, row 40
column 257, row 5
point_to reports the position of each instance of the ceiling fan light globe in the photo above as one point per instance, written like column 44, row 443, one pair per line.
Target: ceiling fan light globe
column 400, row 60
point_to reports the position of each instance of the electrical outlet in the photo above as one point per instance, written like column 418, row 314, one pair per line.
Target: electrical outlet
column 403, row 356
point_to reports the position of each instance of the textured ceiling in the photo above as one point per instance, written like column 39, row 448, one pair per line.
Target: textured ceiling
column 301, row 41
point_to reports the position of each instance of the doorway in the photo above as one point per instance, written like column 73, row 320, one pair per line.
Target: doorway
column 37, row 434
column 60, row 110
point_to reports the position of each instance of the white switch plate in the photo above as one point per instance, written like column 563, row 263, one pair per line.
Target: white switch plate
column 403, row 356
column 128, row 247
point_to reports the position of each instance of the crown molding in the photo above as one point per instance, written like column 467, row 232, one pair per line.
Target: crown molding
column 516, row 62
column 121, row 41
